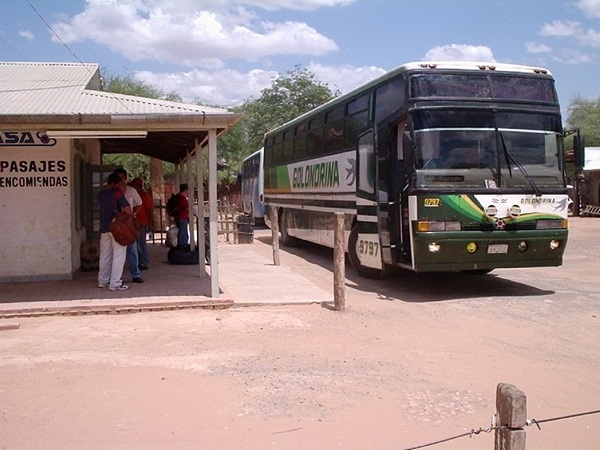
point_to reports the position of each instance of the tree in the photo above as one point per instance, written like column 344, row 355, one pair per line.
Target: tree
column 290, row 95
column 129, row 86
column 152, row 170
column 585, row 115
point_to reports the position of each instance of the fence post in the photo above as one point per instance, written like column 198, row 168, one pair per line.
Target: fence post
column 275, row 234
column 511, row 407
column 339, row 268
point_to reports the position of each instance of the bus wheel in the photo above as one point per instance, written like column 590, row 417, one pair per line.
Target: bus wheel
column 477, row 271
column 366, row 272
column 285, row 239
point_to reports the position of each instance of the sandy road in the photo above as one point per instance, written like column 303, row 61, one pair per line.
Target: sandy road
column 413, row 359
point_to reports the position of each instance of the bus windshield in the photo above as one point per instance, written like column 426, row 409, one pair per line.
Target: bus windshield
column 530, row 89
column 496, row 150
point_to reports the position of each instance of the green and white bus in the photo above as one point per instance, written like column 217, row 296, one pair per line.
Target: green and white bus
column 437, row 166
column 252, row 186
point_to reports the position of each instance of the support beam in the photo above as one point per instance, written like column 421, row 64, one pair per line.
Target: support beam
column 200, row 184
column 190, row 183
column 177, row 176
column 212, row 204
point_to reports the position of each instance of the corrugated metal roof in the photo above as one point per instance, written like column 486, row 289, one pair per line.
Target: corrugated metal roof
column 43, row 88
column 100, row 102
column 64, row 88
column 68, row 96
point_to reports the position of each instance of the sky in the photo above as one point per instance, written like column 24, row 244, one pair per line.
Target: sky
column 223, row 52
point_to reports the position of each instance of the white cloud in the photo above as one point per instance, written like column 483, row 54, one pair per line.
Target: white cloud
column 575, row 31
column 165, row 30
column 300, row 5
column 345, row 78
column 26, row 34
column 218, row 87
column 591, row 39
column 460, row 52
column 560, row 28
column 269, row 5
column 533, row 47
column 591, row 8
column 229, row 87
column 572, row 57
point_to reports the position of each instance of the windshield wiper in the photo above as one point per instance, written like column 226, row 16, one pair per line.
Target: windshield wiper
column 510, row 158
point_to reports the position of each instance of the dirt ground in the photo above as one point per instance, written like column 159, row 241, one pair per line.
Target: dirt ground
column 414, row 359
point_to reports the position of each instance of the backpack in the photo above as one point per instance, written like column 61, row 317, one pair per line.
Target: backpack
column 124, row 228
column 172, row 208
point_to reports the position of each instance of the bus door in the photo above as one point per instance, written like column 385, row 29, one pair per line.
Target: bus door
column 365, row 246
column 402, row 222
column 387, row 200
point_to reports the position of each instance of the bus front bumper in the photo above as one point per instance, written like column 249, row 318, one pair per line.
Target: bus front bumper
column 463, row 251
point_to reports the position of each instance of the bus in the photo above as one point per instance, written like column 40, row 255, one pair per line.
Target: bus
column 437, row 166
column 252, row 186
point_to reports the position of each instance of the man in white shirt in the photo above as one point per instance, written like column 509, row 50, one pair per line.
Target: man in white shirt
column 135, row 201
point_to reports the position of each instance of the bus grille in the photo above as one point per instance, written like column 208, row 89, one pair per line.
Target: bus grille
column 493, row 227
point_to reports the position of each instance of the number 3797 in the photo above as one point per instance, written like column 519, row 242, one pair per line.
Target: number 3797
column 370, row 248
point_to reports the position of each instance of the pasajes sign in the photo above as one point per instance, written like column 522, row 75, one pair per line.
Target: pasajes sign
column 24, row 173
column 29, row 173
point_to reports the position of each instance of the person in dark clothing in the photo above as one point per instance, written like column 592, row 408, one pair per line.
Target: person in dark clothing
column 112, row 254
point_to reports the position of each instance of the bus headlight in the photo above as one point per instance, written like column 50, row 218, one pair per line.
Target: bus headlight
column 522, row 246
column 554, row 244
column 514, row 211
column 547, row 224
column 438, row 225
column 433, row 247
column 471, row 247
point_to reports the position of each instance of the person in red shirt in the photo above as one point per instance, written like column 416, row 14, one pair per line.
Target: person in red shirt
column 144, row 220
column 182, row 217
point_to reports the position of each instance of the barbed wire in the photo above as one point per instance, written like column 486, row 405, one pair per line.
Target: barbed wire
column 493, row 427
column 535, row 422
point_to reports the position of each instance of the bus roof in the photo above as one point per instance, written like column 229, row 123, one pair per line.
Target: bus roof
column 474, row 66
column 257, row 152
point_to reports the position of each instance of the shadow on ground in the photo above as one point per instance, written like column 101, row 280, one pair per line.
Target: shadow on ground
column 407, row 286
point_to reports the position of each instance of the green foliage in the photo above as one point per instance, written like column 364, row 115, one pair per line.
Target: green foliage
column 135, row 164
column 585, row 115
column 231, row 148
column 289, row 96
column 129, row 86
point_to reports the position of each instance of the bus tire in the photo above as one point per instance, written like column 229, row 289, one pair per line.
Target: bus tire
column 477, row 271
column 285, row 239
column 365, row 272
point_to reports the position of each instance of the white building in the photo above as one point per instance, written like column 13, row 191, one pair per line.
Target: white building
column 55, row 124
column 592, row 167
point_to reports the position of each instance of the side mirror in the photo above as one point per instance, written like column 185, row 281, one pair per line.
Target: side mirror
column 578, row 151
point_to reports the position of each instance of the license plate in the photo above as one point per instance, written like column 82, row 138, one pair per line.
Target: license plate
column 495, row 249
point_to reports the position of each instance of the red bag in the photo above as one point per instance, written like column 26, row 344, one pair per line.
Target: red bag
column 124, row 228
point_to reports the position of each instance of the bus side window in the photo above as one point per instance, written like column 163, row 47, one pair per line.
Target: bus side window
column 300, row 142
column 314, row 142
column 366, row 164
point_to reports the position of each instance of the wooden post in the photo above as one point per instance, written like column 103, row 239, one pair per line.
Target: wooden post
column 212, row 207
column 275, row 234
column 339, row 263
column 511, row 407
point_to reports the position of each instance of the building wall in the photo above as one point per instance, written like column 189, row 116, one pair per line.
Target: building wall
column 594, row 188
column 40, row 234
